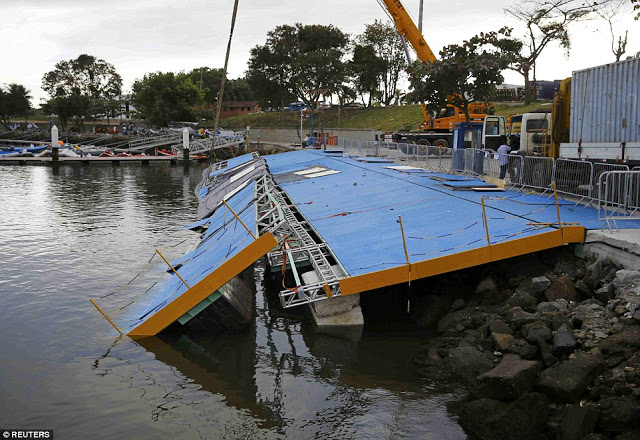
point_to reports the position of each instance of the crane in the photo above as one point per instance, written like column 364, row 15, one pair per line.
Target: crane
column 437, row 130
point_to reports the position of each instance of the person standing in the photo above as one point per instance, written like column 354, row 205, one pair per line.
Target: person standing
column 503, row 157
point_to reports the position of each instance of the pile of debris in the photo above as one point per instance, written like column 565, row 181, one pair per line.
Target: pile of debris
column 550, row 356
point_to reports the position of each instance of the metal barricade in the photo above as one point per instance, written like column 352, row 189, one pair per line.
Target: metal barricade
column 574, row 177
column 538, row 172
column 618, row 197
column 458, row 160
column 602, row 167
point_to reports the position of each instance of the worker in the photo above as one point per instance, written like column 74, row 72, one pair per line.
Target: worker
column 503, row 156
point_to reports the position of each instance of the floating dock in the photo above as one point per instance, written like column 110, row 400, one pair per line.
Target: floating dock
column 336, row 226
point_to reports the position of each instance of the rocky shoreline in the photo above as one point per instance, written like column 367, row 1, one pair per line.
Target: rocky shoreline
column 547, row 347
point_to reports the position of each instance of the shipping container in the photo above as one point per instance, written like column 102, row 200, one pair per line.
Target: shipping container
column 604, row 104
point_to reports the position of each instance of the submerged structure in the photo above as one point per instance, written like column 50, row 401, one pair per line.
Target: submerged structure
column 335, row 226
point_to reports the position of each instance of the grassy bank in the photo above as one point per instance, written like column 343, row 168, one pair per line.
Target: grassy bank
column 395, row 118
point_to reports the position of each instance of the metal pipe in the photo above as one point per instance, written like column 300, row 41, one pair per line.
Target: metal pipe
column 173, row 269
column 105, row 315
column 238, row 218
column 404, row 243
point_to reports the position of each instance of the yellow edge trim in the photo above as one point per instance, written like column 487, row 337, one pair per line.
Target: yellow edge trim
column 462, row 260
column 197, row 293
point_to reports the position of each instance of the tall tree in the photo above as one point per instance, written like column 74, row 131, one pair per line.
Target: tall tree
column 368, row 70
column 464, row 73
column 80, row 85
column 165, row 97
column 385, row 41
column 546, row 22
column 636, row 7
column 14, row 100
column 301, row 61
column 610, row 12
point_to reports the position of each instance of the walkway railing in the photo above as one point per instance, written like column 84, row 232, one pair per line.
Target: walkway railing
column 599, row 182
column 618, row 196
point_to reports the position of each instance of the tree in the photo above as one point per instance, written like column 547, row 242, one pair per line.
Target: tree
column 383, row 38
column 165, row 97
column 14, row 101
column 81, row 86
column 546, row 21
column 301, row 61
column 636, row 7
column 609, row 12
column 368, row 69
column 464, row 73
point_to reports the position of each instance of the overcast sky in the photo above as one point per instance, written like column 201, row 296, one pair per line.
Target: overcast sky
column 140, row 36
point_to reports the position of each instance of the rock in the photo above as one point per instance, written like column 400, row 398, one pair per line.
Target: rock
column 468, row 363
column 522, row 299
column 489, row 419
column 537, row 329
column 563, row 342
column 577, row 422
column 627, row 338
column 568, row 381
column 524, row 350
column 540, row 284
column 487, row 285
column 619, row 414
column 584, row 289
column 567, row 269
column 562, row 288
column 502, row 341
column 522, row 318
column 547, row 307
column 458, row 304
column 636, row 315
column 498, row 326
column 463, row 318
column 605, row 293
column 626, row 277
column 336, row 305
column 510, row 379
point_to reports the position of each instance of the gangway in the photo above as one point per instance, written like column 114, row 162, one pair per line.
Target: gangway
column 199, row 146
column 144, row 144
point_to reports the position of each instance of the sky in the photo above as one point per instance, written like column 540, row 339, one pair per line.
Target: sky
column 142, row 36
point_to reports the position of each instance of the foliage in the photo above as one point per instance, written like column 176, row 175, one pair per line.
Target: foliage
column 165, row 97
column 367, row 69
column 636, row 7
column 546, row 21
column 301, row 61
column 14, row 100
column 82, row 88
column 384, row 40
column 464, row 73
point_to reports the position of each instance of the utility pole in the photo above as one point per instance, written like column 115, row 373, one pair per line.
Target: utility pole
column 420, row 16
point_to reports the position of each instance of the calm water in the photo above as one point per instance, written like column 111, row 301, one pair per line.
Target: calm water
column 72, row 233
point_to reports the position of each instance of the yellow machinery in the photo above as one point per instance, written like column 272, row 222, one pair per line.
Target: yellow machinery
column 448, row 117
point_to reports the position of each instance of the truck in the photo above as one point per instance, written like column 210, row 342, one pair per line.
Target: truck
column 594, row 117
column 436, row 131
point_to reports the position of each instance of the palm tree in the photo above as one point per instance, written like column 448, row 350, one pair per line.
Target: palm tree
column 19, row 100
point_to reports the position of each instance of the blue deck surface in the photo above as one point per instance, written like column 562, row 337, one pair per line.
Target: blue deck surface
column 356, row 212
column 224, row 238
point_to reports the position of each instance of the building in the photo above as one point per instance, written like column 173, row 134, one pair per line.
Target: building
column 235, row 108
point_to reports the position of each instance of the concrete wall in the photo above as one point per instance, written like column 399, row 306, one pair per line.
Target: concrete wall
column 291, row 134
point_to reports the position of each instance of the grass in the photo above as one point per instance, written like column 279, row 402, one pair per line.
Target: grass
column 394, row 118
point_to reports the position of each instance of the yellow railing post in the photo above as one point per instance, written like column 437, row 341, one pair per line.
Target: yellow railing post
column 404, row 243
column 238, row 218
column 486, row 224
column 173, row 269
column 105, row 315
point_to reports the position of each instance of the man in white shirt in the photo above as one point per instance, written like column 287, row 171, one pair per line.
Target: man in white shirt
column 503, row 157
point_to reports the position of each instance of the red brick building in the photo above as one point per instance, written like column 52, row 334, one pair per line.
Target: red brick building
column 235, row 108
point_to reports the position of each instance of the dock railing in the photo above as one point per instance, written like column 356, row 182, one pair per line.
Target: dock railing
column 574, row 177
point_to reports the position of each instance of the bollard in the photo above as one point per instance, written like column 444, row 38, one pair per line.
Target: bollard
column 54, row 144
column 185, row 154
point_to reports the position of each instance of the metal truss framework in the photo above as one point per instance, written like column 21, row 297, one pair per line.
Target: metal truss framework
column 276, row 214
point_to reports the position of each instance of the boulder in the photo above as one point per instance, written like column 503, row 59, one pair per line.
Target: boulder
column 458, row 320
column 578, row 422
column 489, row 419
column 562, row 288
column 458, row 304
column 605, row 293
column 567, row 381
column 510, row 379
column 584, row 289
column 537, row 329
column 468, row 363
column 522, row 318
column 522, row 299
column 502, row 341
column 627, row 338
column 498, row 326
column 619, row 414
column 627, row 277
column 487, row 285
column 540, row 284
column 563, row 342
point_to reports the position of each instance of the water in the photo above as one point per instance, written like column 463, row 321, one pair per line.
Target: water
column 73, row 233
